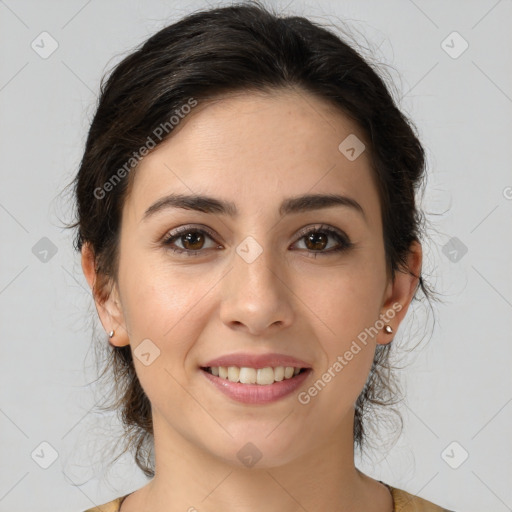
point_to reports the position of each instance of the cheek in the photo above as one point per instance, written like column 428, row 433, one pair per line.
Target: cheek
column 347, row 299
column 169, row 305
column 165, row 307
column 159, row 296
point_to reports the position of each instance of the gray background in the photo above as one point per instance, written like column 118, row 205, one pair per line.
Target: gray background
column 458, row 380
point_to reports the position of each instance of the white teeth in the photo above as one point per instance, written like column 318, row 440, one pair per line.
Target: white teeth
column 261, row 376
column 279, row 373
column 233, row 373
column 247, row 375
column 288, row 372
column 265, row 376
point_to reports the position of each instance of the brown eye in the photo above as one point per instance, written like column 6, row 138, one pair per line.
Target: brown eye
column 190, row 241
column 193, row 240
column 316, row 241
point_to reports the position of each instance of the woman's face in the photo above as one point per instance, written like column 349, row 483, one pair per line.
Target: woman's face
column 256, row 283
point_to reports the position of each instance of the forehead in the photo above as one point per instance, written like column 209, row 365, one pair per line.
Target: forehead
column 255, row 149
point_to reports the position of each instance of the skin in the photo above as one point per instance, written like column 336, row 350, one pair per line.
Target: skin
column 254, row 150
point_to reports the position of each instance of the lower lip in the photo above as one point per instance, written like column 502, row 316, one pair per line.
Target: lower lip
column 256, row 393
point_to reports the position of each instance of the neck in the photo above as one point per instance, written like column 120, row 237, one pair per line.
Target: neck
column 323, row 477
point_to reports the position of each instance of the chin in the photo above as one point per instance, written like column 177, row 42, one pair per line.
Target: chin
column 258, row 451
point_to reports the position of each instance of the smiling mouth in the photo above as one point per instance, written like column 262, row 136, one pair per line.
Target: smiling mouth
column 259, row 376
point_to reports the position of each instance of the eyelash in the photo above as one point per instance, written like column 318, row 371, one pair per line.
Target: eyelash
column 340, row 237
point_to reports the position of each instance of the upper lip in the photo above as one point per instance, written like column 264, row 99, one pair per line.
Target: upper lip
column 256, row 361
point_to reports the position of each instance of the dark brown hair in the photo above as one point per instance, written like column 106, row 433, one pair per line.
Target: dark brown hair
column 208, row 54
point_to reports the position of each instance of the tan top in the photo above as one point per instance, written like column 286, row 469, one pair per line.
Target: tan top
column 402, row 502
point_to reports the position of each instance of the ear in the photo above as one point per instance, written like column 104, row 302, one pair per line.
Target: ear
column 399, row 294
column 106, row 298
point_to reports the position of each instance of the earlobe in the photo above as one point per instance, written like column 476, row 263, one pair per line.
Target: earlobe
column 105, row 298
column 399, row 294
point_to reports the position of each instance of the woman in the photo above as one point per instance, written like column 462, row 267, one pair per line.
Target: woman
column 247, row 222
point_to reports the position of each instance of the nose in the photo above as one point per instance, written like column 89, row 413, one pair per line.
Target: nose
column 257, row 295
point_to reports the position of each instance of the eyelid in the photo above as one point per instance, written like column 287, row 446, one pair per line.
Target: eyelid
column 346, row 243
column 186, row 229
column 322, row 227
column 343, row 240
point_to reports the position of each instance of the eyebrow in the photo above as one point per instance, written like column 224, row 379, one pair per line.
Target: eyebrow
column 207, row 204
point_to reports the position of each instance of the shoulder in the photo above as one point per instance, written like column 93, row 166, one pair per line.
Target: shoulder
column 405, row 502
column 111, row 506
